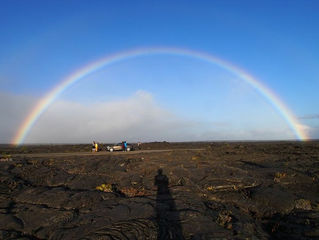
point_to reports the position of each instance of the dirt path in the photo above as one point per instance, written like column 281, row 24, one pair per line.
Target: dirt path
column 102, row 153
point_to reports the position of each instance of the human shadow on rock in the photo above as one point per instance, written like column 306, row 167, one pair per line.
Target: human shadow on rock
column 167, row 216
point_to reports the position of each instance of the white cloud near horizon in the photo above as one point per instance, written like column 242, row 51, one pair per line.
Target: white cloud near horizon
column 136, row 118
column 133, row 119
column 13, row 109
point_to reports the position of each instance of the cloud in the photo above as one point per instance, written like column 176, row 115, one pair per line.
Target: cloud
column 13, row 109
column 314, row 133
column 304, row 127
column 310, row 117
column 137, row 118
column 311, row 131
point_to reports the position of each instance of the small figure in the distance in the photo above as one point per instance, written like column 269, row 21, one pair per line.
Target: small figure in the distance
column 96, row 147
column 125, row 146
column 93, row 146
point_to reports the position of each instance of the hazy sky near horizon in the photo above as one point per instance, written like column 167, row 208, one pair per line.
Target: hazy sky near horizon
column 158, row 97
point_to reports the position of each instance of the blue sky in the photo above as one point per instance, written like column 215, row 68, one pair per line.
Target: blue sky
column 276, row 41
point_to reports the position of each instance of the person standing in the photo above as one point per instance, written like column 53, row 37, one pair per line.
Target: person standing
column 93, row 146
column 96, row 147
column 125, row 146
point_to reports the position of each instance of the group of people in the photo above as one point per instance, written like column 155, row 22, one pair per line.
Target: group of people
column 96, row 147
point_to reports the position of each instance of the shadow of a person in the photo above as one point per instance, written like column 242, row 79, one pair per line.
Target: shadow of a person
column 167, row 216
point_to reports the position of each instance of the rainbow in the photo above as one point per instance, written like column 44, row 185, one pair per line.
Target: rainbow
column 52, row 95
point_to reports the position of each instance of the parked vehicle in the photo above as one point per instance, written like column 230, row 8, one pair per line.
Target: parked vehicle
column 119, row 147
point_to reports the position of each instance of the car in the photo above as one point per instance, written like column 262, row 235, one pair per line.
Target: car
column 119, row 147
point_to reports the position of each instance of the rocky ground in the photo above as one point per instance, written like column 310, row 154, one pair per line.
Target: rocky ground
column 192, row 191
